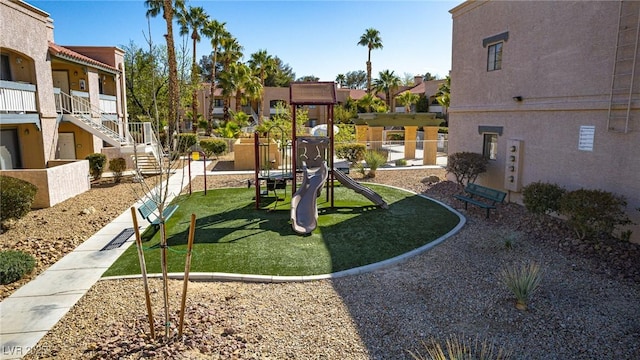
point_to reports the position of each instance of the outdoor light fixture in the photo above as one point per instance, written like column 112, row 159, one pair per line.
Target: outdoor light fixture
column 517, row 98
column 75, row 73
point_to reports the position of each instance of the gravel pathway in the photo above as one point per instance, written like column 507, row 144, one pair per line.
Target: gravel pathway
column 587, row 306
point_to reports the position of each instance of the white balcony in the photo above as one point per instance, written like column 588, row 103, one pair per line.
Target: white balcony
column 17, row 98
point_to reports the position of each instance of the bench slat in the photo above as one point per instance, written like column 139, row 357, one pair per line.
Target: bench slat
column 493, row 195
column 148, row 209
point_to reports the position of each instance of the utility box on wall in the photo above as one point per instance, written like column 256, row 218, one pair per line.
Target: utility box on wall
column 513, row 165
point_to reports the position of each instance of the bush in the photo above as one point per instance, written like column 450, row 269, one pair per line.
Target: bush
column 14, row 265
column 185, row 142
column 214, row 147
column 96, row 164
column 401, row 162
column 523, row 281
column 460, row 348
column 542, row 198
column 16, row 197
column 374, row 160
column 593, row 212
column 466, row 166
column 352, row 152
column 117, row 167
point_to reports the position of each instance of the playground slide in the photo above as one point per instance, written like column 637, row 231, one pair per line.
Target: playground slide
column 304, row 208
column 360, row 189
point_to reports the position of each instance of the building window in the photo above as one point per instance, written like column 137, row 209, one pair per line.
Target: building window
column 494, row 58
column 218, row 102
column 5, row 70
column 490, row 146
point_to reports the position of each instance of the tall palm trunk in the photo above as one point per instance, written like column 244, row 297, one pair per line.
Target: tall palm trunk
column 173, row 69
column 194, row 80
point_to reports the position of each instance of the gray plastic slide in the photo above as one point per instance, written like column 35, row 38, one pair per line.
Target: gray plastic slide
column 304, row 205
column 357, row 187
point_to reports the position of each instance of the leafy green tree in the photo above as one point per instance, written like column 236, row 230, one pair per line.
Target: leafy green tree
column 387, row 82
column 308, row 78
column 343, row 114
column 146, row 81
column 356, row 79
column 371, row 39
column 283, row 75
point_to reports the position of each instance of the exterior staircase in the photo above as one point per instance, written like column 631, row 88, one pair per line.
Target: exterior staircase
column 82, row 114
column 147, row 164
column 624, row 69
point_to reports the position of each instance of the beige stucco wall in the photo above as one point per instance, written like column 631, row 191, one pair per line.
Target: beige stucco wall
column 559, row 57
column 55, row 184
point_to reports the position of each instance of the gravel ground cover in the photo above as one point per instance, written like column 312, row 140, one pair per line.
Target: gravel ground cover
column 586, row 308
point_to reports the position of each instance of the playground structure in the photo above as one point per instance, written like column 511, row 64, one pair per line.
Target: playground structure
column 311, row 156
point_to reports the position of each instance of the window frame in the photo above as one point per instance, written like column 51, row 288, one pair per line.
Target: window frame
column 494, row 56
column 490, row 152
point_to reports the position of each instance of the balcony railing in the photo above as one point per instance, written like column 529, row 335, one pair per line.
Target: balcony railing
column 108, row 104
column 17, row 97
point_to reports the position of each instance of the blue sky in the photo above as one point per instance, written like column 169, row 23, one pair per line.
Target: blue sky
column 314, row 37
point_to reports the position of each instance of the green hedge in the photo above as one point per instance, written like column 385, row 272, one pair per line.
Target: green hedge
column 96, row 164
column 16, row 197
column 214, row 147
column 352, row 152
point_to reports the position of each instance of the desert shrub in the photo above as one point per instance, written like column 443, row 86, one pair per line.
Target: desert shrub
column 460, row 348
column 185, row 141
column 466, row 166
column 523, row 281
column 14, row 265
column 96, row 164
column 347, row 133
column 214, row 147
column 16, row 197
column 374, row 160
column 542, row 198
column 593, row 212
column 117, row 167
column 401, row 162
column 396, row 136
column 352, row 152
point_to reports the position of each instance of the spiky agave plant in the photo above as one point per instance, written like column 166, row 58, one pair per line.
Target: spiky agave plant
column 458, row 348
column 523, row 281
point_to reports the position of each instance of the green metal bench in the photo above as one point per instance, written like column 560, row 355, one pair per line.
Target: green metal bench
column 148, row 211
column 476, row 193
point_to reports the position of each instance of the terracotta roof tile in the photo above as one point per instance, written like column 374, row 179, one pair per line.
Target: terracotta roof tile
column 63, row 52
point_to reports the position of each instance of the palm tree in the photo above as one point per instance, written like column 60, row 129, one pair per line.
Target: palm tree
column 168, row 8
column 371, row 39
column 341, row 79
column 238, row 79
column 387, row 82
column 231, row 53
column 263, row 65
column 214, row 30
column 193, row 20
column 407, row 98
column 367, row 102
column 443, row 96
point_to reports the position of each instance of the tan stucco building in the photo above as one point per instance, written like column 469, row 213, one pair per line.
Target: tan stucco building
column 58, row 104
column 549, row 91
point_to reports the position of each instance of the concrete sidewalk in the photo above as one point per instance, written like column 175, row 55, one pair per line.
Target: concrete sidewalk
column 30, row 312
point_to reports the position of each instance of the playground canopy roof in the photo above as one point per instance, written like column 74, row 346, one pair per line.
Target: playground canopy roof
column 313, row 93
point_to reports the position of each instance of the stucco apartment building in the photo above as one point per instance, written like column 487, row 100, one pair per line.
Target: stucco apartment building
column 549, row 91
column 58, row 104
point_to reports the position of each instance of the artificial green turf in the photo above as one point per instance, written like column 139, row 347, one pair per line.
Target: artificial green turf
column 231, row 236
